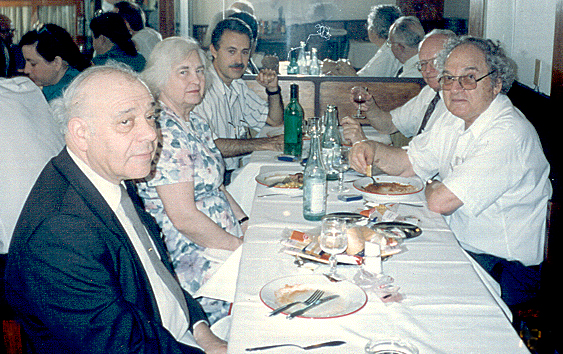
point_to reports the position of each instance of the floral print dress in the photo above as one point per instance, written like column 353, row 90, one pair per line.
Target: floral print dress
column 187, row 152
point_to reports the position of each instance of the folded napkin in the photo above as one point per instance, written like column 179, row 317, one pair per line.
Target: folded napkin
column 223, row 282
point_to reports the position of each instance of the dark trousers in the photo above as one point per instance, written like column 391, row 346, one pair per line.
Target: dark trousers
column 518, row 283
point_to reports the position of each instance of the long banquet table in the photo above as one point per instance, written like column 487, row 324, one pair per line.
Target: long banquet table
column 450, row 304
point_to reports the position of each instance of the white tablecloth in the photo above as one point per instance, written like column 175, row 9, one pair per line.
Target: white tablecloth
column 450, row 305
column 243, row 185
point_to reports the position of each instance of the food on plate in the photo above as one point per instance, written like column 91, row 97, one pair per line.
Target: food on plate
column 290, row 293
column 390, row 188
column 380, row 208
column 357, row 237
column 294, row 180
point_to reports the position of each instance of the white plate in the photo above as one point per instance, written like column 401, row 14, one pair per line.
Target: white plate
column 361, row 183
column 268, row 178
column 352, row 297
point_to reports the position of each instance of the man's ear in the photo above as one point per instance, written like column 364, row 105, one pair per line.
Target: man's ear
column 213, row 51
column 78, row 132
column 58, row 62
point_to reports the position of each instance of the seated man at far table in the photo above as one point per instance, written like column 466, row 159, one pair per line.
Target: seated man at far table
column 383, row 63
column 494, row 185
column 87, row 268
column 420, row 112
column 230, row 107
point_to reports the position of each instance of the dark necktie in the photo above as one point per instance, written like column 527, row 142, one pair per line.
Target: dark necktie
column 428, row 113
column 161, row 270
column 399, row 72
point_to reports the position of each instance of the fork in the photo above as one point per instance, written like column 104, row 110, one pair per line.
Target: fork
column 317, row 294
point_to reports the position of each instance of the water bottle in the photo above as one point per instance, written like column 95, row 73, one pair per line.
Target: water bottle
column 314, row 177
column 314, row 68
column 293, row 124
column 330, row 143
column 302, row 60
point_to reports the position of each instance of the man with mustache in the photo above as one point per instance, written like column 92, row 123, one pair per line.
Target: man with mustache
column 408, row 119
column 230, row 106
column 87, row 268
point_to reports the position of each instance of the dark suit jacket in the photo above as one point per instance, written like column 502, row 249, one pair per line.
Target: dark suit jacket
column 74, row 278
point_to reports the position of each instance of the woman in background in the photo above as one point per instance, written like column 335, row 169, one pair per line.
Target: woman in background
column 185, row 192
column 112, row 41
column 52, row 59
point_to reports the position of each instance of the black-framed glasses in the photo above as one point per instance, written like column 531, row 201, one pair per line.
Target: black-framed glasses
column 8, row 30
column 422, row 65
column 467, row 82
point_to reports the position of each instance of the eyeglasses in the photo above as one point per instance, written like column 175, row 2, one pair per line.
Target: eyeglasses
column 467, row 82
column 8, row 30
column 422, row 65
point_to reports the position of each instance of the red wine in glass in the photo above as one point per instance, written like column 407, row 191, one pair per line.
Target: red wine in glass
column 359, row 95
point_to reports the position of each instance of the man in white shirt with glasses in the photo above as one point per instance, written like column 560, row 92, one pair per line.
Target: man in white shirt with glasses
column 493, row 186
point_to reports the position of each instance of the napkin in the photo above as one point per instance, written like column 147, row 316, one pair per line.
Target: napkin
column 223, row 282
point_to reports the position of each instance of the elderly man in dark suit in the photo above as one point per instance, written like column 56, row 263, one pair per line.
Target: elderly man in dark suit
column 87, row 270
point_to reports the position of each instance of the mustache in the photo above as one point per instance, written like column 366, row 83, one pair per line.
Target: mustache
column 237, row 66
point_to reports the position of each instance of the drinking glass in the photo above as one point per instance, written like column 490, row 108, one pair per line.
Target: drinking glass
column 360, row 95
column 341, row 164
column 333, row 239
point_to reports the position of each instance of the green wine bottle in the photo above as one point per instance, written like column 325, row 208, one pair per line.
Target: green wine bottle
column 293, row 124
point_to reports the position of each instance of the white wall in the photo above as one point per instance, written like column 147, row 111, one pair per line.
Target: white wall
column 526, row 30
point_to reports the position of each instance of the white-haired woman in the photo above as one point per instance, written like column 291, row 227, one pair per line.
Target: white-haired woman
column 185, row 191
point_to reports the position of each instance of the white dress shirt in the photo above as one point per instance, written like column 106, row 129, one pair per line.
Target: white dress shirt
column 383, row 64
column 410, row 69
column 171, row 313
column 29, row 138
column 408, row 117
column 231, row 111
column 497, row 168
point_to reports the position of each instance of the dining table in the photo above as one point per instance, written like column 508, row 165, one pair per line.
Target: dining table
column 447, row 303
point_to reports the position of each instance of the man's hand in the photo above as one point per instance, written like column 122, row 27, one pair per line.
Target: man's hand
column 210, row 343
column 361, row 156
column 274, row 143
column 268, row 78
column 352, row 130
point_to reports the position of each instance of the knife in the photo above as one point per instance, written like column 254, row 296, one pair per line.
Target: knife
column 334, row 343
column 314, row 304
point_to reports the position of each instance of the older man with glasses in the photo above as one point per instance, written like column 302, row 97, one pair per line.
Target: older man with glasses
column 494, row 186
column 419, row 113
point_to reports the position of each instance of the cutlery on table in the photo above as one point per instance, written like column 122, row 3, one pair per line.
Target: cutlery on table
column 334, row 343
column 280, row 194
column 316, row 295
column 314, row 304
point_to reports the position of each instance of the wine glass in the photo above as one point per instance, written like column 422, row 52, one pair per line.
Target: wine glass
column 341, row 164
column 360, row 95
column 333, row 239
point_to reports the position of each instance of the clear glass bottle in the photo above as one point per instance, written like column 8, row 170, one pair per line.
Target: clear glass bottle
column 330, row 143
column 314, row 68
column 293, row 124
column 302, row 60
column 314, row 177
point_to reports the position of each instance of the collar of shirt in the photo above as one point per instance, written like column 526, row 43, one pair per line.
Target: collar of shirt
column 232, row 91
column 110, row 191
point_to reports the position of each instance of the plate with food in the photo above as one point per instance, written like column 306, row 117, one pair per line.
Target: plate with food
column 281, row 180
column 351, row 298
column 397, row 229
column 388, row 186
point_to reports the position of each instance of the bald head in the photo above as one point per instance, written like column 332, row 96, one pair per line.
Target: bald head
column 432, row 44
column 111, row 129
